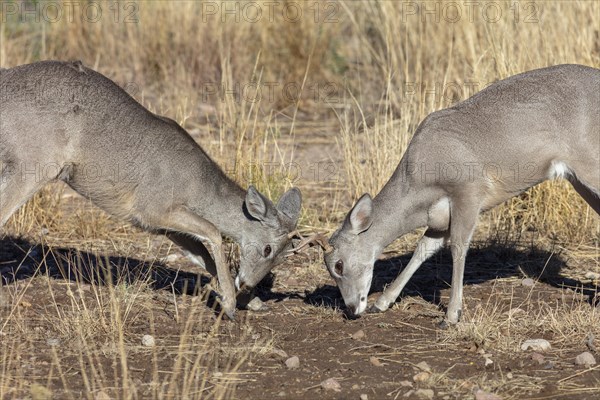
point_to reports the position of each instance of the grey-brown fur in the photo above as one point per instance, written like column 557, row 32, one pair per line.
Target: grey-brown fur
column 65, row 121
column 530, row 127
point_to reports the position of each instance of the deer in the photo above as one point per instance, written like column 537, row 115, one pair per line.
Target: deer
column 512, row 135
column 62, row 121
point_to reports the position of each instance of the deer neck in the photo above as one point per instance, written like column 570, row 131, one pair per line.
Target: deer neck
column 398, row 211
column 223, row 206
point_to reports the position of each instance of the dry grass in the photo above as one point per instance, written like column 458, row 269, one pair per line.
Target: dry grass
column 373, row 72
column 93, row 335
column 502, row 323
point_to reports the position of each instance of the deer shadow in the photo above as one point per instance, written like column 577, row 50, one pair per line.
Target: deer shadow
column 486, row 261
column 21, row 259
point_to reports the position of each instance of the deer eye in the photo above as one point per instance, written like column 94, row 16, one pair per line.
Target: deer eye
column 267, row 250
column 339, row 267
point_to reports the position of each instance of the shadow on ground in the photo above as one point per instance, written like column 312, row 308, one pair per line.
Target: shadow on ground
column 21, row 259
column 486, row 261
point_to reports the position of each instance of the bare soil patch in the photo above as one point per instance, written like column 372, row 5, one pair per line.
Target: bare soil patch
column 306, row 320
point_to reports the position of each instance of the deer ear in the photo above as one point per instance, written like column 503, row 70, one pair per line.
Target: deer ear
column 290, row 204
column 257, row 204
column 360, row 217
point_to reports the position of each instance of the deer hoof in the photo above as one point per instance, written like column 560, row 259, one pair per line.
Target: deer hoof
column 374, row 310
column 228, row 308
column 443, row 324
column 446, row 324
column 230, row 314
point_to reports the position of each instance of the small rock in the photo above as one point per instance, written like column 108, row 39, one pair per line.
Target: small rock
column 39, row 392
column 331, row 384
column 421, row 376
column 586, row 358
column 423, row 366
column 256, row 304
column 488, row 362
column 148, row 340
column 292, row 362
column 375, row 361
column 281, row 394
column 279, row 353
column 101, row 395
column 355, row 387
column 536, row 345
column 358, row 335
column 406, row 384
column 364, row 397
column 424, row 393
column 528, row 282
column 539, row 358
column 483, row 395
column 509, row 375
column 52, row 341
column 592, row 275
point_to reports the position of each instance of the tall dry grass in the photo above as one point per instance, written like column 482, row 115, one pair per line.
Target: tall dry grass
column 81, row 337
column 374, row 69
column 418, row 65
column 388, row 63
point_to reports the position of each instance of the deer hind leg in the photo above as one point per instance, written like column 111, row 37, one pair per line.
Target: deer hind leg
column 185, row 222
column 586, row 181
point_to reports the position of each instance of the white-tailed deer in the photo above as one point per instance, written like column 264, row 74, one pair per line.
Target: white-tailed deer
column 473, row 156
column 64, row 121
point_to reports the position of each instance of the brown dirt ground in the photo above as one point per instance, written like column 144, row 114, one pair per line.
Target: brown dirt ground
column 306, row 320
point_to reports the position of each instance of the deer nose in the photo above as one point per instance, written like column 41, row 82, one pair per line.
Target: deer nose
column 353, row 310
